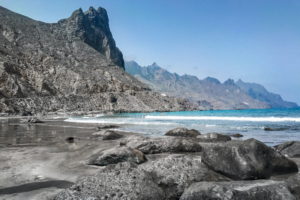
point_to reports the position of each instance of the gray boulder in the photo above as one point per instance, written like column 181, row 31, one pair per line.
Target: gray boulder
column 246, row 190
column 163, row 145
column 175, row 173
column 293, row 183
column 121, row 181
column 183, row 132
column 108, row 135
column 214, row 137
column 117, row 155
column 236, row 135
column 249, row 159
column 290, row 149
column 107, row 126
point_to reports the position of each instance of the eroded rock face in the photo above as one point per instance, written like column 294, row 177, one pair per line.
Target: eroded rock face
column 249, row 159
column 162, row 145
column 183, row 132
column 175, row 173
column 290, row 149
column 254, row 190
column 117, row 155
column 121, row 181
column 72, row 65
column 92, row 27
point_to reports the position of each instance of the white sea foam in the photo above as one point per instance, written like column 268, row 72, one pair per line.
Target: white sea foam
column 98, row 121
column 218, row 118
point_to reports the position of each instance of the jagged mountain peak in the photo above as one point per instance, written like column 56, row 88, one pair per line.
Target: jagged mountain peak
column 212, row 80
column 92, row 27
column 229, row 82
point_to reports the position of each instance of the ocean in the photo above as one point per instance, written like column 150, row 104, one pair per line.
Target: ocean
column 285, row 123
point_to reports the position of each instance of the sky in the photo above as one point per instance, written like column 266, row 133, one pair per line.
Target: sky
column 255, row 40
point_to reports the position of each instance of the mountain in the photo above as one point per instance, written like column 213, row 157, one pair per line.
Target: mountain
column 208, row 93
column 260, row 93
column 72, row 65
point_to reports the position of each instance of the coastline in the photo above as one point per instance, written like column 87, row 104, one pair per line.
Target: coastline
column 45, row 156
column 29, row 166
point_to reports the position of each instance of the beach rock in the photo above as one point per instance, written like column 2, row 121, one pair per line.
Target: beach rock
column 236, row 135
column 214, row 137
column 163, row 144
column 121, row 181
column 108, row 135
column 249, row 159
column 70, row 140
column 275, row 128
column 117, row 155
column 107, row 126
column 34, row 120
column 290, row 149
column 293, row 183
column 246, row 190
column 175, row 173
column 183, row 132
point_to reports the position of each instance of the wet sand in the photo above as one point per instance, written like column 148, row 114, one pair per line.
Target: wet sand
column 36, row 161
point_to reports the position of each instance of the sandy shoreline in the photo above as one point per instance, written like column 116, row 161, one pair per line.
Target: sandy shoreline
column 31, row 153
column 37, row 162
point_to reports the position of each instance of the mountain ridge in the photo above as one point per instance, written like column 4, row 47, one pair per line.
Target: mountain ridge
column 71, row 65
column 209, row 93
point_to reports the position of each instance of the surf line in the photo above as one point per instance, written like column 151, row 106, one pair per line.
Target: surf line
column 253, row 119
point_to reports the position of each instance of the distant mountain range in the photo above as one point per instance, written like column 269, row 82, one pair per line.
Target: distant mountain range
column 208, row 93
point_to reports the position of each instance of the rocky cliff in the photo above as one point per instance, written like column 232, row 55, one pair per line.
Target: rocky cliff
column 208, row 93
column 72, row 65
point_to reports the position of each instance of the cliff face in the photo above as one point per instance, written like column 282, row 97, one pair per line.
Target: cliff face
column 208, row 93
column 72, row 65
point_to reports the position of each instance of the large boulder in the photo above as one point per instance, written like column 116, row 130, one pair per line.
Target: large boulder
column 290, row 149
column 246, row 190
column 175, row 173
column 183, row 132
column 117, row 155
column 121, row 181
column 293, row 183
column 163, row 144
column 249, row 159
column 214, row 137
column 108, row 135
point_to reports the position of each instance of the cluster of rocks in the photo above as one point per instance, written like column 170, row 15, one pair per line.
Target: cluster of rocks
column 188, row 165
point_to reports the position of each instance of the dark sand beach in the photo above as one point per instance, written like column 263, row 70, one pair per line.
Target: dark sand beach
column 40, row 160
column 37, row 159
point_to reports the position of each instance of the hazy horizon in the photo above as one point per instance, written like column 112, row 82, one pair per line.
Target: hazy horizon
column 256, row 41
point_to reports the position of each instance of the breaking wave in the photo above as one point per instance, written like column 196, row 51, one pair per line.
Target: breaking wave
column 217, row 118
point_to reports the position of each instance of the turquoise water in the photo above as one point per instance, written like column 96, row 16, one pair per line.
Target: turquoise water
column 250, row 123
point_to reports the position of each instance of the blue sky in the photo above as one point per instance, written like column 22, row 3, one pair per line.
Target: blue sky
column 255, row 40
